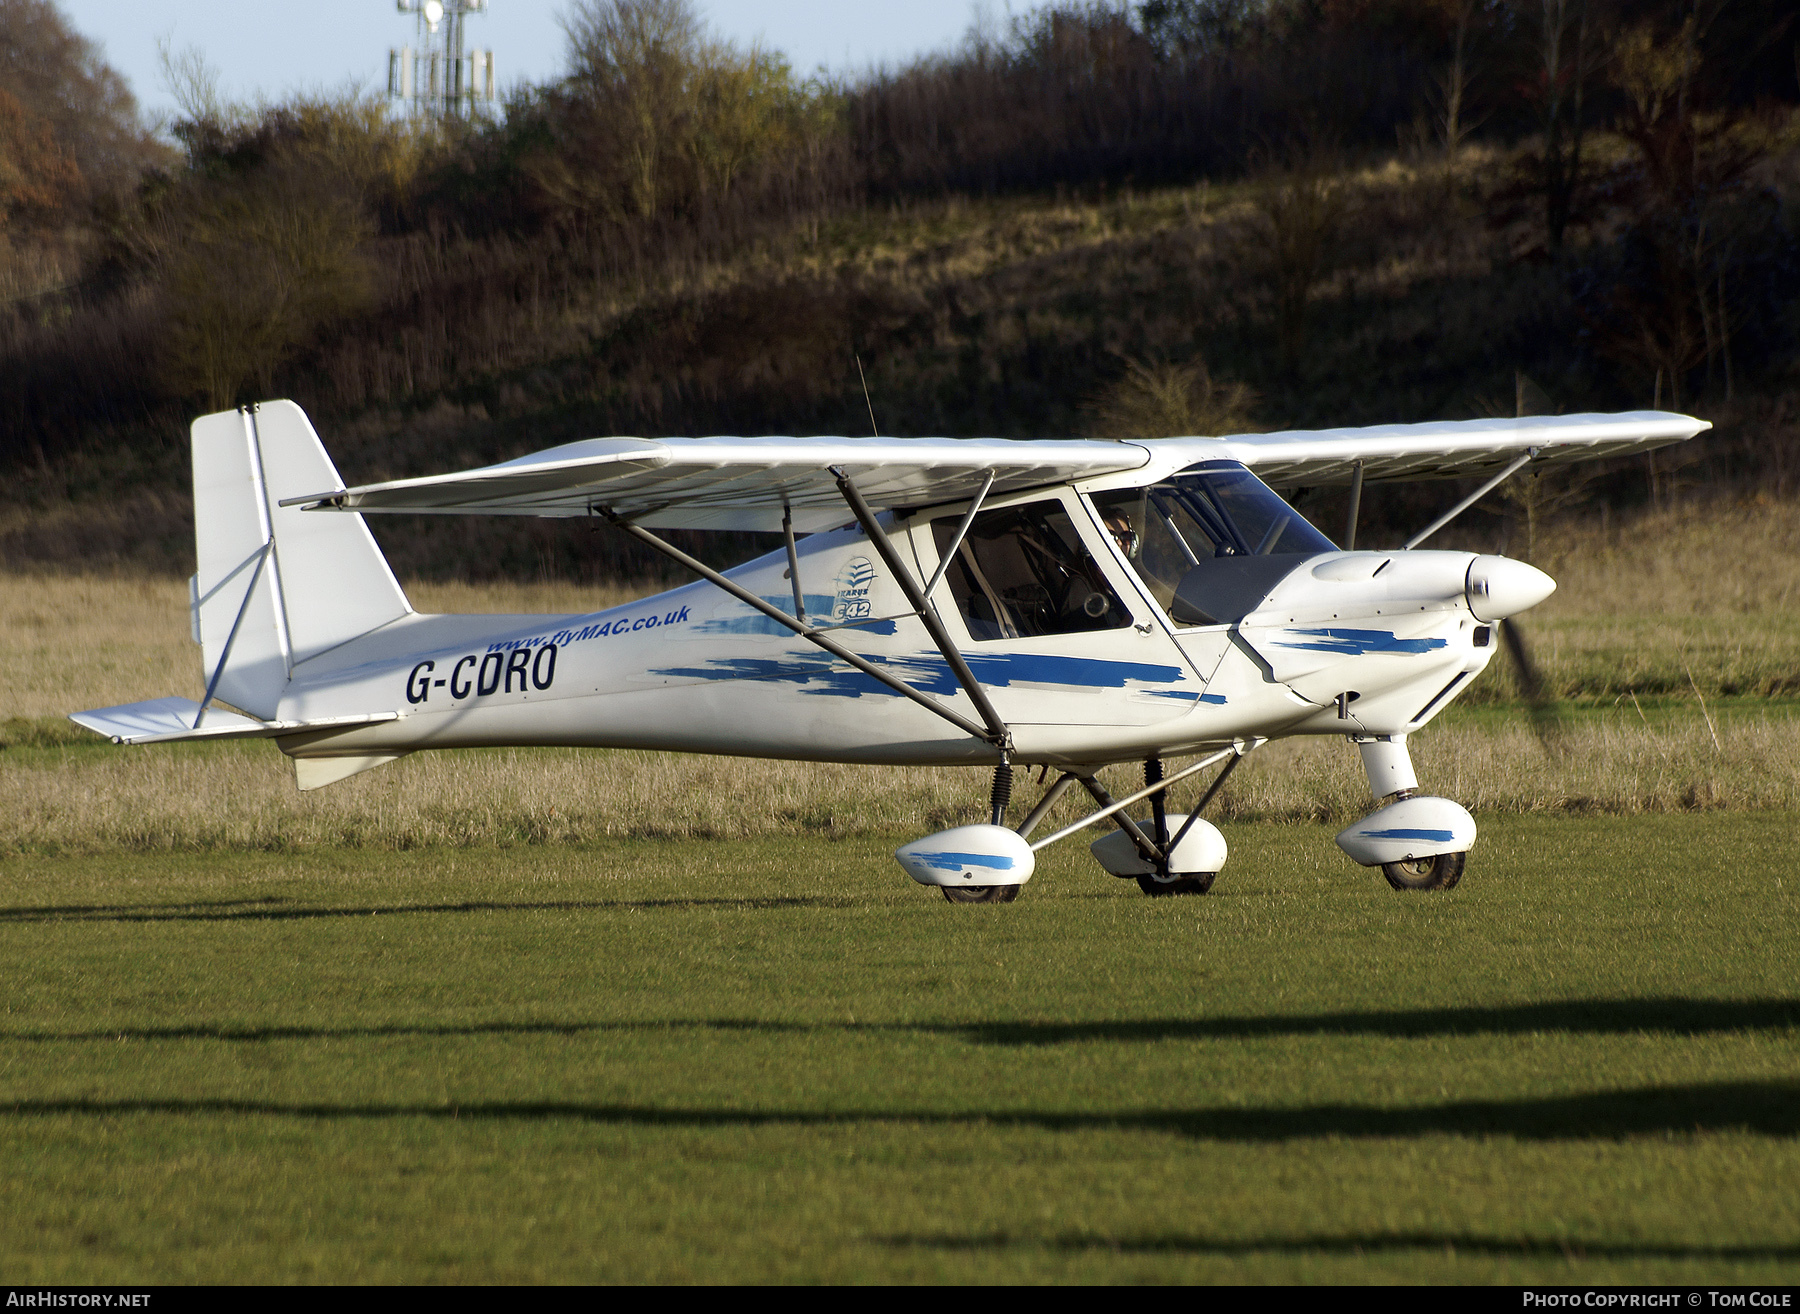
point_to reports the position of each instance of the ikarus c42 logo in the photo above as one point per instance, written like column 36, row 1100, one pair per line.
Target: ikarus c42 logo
column 854, row 584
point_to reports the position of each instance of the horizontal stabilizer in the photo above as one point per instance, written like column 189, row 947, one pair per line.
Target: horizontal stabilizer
column 167, row 720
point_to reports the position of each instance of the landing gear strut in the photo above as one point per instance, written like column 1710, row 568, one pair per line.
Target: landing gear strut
column 1162, row 863
column 1419, row 842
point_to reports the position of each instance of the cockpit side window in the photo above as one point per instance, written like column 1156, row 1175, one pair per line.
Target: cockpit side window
column 1024, row 571
column 1207, row 540
column 1157, row 534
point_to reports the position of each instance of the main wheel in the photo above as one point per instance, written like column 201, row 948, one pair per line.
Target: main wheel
column 1440, row 872
column 980, row 893
column 1177, row 883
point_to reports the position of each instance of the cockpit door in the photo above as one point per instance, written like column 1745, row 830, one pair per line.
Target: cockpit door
column 1047, row 619
column 1208, row 545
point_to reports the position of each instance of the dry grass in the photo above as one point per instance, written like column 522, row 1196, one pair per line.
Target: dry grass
column 237, row 796
column 1716, row 558
column 69, row 642
column 1706, row 590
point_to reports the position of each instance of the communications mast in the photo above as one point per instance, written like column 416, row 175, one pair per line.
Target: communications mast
column 437, row 76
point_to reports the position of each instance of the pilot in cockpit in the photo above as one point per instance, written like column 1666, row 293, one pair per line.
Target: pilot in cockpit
column 1118, row 524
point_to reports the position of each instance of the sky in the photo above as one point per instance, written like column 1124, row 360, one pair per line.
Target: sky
column 322, row 44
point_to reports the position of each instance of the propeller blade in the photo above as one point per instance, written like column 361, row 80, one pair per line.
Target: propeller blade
column 1544, row 707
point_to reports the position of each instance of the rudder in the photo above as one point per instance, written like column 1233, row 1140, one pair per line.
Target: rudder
column 276, row 585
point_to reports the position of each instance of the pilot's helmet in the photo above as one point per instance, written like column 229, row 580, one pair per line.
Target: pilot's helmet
column 1118, row 524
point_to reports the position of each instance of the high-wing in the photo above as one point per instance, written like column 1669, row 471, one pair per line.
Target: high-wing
column 1448, row 450
column 750, row 483
column 739, row 483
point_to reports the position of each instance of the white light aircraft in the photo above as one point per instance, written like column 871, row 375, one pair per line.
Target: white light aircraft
column 1064, row 604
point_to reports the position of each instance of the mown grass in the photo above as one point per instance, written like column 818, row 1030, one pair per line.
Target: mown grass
column 779, row 1060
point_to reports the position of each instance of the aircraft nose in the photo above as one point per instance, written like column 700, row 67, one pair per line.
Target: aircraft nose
column 1499, row 587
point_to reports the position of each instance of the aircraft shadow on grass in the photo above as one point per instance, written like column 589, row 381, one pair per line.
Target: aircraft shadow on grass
column 1664, row 1016
column 1361, row 1245
column 1768, row 1108
column 271, row 909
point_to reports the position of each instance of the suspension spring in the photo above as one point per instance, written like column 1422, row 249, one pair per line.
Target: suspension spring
column 1001, row 796
column 1153, row 774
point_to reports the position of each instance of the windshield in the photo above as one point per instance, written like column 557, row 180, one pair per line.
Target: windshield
column 1211, row 511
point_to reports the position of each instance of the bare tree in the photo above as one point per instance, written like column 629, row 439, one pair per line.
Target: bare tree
column 1300, row 212
column 262, row 263
column 37, row 177
column 638, row 59
column 1567, row 54
column 1452, row 85
column 58, row 77
column 1157, row 399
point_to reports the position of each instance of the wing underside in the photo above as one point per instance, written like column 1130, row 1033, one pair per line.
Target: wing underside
column 754, row 483
column 1452, row 450
column 741, row 483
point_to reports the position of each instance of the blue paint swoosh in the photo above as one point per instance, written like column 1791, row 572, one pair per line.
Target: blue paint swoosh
column 1355, row 643
column 822, row 674
column 1407, row 834
column 957, row 861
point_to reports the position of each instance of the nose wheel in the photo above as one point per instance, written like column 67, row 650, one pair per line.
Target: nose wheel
column 1440, row 872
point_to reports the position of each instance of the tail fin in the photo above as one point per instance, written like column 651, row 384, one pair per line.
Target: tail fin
column 276, row 585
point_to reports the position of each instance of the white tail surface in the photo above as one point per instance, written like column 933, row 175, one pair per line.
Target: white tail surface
column 276, row 585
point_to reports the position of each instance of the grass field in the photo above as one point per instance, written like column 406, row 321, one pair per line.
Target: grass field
column 779, row 1060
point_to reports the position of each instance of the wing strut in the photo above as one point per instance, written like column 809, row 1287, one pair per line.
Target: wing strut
column 997, row 733
column 793, row 555
column 810, row 633
column 1467, row 502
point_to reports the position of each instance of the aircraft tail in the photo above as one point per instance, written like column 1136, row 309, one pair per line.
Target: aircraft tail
column 276, row 585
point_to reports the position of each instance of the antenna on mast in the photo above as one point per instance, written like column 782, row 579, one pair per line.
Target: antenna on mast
column 437, row 77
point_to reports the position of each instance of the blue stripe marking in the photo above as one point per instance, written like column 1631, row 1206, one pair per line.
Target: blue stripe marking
column 1355, row 643
column 1409, row 834
column 929, row 672
column 818, row 608
column 957, row 861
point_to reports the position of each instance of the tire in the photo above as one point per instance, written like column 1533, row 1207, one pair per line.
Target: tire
column 1436, row 873
column 1190, row 883
column 980, row 893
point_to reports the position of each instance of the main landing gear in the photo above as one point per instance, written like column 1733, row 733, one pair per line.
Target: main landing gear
column 1166, row 854
column 1156, row 886
column 999, row 799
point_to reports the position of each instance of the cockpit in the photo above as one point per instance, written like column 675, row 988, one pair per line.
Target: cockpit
column 1211, row 542
column 1208, row 543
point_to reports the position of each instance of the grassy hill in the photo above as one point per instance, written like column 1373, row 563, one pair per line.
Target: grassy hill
column 1201, row 248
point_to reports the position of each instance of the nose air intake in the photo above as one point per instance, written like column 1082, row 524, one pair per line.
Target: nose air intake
column 1499, row 587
